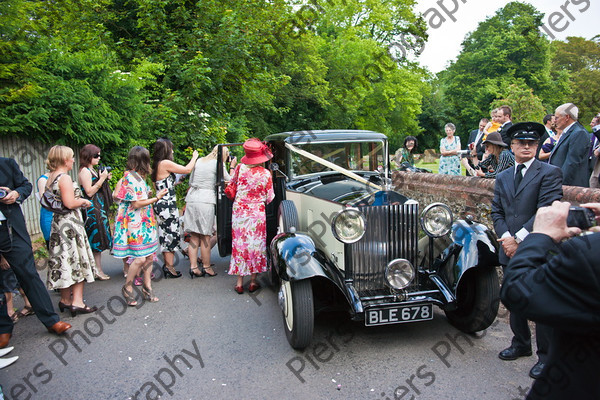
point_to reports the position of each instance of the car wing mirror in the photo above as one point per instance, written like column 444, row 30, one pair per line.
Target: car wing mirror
column 275, row 168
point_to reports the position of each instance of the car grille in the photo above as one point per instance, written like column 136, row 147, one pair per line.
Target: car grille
column 392, row 232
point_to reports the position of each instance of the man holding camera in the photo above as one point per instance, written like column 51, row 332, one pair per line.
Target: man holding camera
column 15, row 246
column 556, row 282
column 519, row 192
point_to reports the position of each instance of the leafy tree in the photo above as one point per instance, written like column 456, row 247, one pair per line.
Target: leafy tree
column 505, row 49
column 579, row 59
column 526, row 105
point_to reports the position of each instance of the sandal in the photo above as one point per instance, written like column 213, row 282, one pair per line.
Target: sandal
column 25, row 311
column 15, row 317
column 129, row 298
column 205, row 272
column 149, row 295
column 101, row 277
column 253, row 287
column 138, row 281
column 239, row 289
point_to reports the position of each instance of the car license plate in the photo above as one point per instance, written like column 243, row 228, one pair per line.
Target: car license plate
column 397, row 315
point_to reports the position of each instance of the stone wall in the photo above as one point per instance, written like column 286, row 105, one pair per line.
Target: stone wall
column 468, row 195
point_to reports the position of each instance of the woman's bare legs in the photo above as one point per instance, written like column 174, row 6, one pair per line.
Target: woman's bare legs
column 98, row 260
column 195, row 240
column 147, row 288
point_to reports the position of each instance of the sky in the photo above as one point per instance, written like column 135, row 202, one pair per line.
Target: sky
column 579, row 18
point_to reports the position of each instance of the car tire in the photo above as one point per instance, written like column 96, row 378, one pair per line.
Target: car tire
column 478, row 298
column 287, row 216
column 298, row 312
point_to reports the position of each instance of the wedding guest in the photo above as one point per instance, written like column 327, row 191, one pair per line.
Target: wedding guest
column 136, row 233
column 254, row 189
column 167, row 213
column 496, row 158
column 45, row 215
column 8, row 285
column 406, row 152
column 449, row 147
column 199, row 216
column 70, row 260
column 94, row 185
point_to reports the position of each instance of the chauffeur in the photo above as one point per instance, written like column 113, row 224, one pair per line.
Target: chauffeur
column 518, row 193
column 15, row 246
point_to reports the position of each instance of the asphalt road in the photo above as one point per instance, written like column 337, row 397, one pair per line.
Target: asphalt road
column 204, row 341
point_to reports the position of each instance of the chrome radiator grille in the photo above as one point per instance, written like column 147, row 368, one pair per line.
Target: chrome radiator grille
column 392, row 232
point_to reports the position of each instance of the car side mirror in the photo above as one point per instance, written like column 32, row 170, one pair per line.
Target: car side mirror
column 275, row 168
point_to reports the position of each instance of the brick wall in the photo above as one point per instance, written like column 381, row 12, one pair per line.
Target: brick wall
column 468, row 195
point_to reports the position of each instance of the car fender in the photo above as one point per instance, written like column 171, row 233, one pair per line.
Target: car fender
column 295, row 257
column 473, row 246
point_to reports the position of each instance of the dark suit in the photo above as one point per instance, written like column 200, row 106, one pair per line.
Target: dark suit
column 502, row 131
column 515, row 209
column 479, row 145
column 15, row 246
column 563, row 292
column 571, row 155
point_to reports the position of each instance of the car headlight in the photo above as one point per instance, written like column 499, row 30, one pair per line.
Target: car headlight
column 399, row 273
column 436, row 220
column 348, row 225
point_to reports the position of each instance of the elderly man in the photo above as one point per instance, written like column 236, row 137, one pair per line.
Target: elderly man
column 571, row 152
column 519, row 192
column 563, row 292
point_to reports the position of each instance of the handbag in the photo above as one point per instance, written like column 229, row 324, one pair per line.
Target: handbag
column 231, row 190
column 52, row 202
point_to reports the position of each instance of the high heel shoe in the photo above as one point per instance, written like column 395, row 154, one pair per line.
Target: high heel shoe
column 129, row 297
column 169, row 274
column 82, row 310
column 62, row 306
column 205, row 273
column 149, row 295
column 199, row 273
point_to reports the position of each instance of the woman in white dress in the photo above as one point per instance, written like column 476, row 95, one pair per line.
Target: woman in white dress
column 199, row 216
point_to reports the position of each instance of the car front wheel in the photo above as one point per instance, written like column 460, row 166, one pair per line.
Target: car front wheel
column 298, row 312
column 477, row 300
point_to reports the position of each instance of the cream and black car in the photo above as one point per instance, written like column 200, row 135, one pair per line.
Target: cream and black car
column 340, row 237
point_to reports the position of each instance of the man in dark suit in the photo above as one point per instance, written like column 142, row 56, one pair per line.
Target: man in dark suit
column 549, row 125
column 519, row 192
column 563, row 292
column 475, row 143
column 505, row 118
column 571, row 151
column 15, row 246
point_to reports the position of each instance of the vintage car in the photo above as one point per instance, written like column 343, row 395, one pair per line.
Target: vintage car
column 339, row 237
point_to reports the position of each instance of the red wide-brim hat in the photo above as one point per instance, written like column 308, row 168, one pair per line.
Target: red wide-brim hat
column 256, row 152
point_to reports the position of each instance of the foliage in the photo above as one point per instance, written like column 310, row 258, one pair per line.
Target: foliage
column 526, row 105
column 579, row 59
column 506, row 49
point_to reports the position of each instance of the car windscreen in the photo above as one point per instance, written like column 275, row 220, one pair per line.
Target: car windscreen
column 353, row 156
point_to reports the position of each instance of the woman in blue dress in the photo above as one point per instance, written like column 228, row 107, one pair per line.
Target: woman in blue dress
column 449, row 147
column 94, row 187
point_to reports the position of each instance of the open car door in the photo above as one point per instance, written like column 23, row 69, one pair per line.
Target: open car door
column 224, row 206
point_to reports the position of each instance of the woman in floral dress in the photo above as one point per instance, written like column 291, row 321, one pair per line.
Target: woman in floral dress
column 94, row 189
column 254, row 189
column 449, row 147
column 167, row 213
column 70, row 258
column 136, row 233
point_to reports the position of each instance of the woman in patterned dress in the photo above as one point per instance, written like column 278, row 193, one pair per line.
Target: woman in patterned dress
column 167, row 213
column 449, row 147
column 136, row 233
column 254, row 189
column 199, row 216
column 93, row 189
column 70, row 258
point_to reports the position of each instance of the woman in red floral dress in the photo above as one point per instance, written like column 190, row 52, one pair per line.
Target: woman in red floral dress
column 254, row 189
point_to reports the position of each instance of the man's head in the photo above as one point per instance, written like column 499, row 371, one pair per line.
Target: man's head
column 565, row 115
column 549, row 121
column 504, row 114
column 525, row 137
column 595, row 120
column 482, row 123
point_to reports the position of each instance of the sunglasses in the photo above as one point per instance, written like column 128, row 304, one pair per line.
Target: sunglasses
column 97, row 155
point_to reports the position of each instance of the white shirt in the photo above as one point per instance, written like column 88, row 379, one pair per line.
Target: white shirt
column 522, row 233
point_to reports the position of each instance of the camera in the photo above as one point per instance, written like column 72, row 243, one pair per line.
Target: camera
column 3, row 193
column 230, row 158
column 464, row 153
column 582, row 218
column 105, row 168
